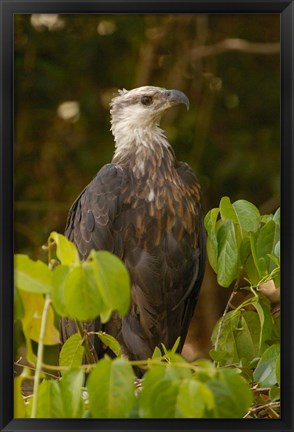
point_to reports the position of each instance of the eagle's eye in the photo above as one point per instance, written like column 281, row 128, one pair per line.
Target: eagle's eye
column 146, row 100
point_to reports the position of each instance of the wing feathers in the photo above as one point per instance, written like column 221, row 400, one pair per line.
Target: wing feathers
column 157, row 229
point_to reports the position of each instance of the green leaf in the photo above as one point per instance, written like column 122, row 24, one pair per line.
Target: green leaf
column 227, row 263
column 71, row 392
column 194, row 399
column 111, row 389
column 266, row 240
column 66, row 251
column 19, row 405
column 277, row 249
column 227, row 350
column 156, row 353
column 247, row 214
column 176, row 345
column 31, row 321
column 210, row 225
column 81, row 294
column 72, row 352
column 247, row 336
column 96, row 287
column 18, row 305
column 158, row 398
column 265, row 372
column 251, row 269
column 32, row 276
column 275, row 394
column 242, row 213
column 244, row 250
column 59, row 275
column 160, row 387
column 266, row 324
column 113, row 281
column 276, row 217
column 110, row 342
column 50, row 403
column 227, row 210
column 232, row 395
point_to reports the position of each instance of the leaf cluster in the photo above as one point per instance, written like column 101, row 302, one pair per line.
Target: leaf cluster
column 242, row 244
column 244, row 249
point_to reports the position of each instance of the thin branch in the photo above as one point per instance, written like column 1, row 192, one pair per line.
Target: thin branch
column 40, row 354
column 221, row 325
column 269, row 406
column 235, row 44
column 90, row 353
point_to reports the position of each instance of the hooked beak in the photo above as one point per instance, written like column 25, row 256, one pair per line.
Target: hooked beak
column 176, row 97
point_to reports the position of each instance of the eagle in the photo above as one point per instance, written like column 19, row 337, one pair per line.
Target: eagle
column 146, row 208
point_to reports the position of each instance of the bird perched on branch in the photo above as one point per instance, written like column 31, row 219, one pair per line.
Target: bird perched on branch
column 145, row 207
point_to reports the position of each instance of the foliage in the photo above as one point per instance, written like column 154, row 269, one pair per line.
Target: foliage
column 245, row 366
column 243, row 248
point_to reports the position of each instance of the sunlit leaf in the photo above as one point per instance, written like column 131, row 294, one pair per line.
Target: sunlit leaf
column 50, row 403
column 59, row 275
column 31, row 276
column 156, row 353
column 113, row 280
column 81, row 294
column 72, row 351
column 110, row 342
column 194, row 399
column 31, row 321
column 158, row 398
column 176, row 345
column 161, row 387
column 19, row 405
column 71, row 392
column 18, row 305
column 66, row 251
column 111, row 389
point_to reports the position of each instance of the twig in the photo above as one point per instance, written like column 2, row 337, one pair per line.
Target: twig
column 235, row 44
column 89, row 353
column 220, row 327
column 270, row 406
column 55, row 368
column 40, row 354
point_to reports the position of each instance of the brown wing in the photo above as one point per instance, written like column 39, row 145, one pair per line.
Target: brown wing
column 92, row 215
column 90, row 226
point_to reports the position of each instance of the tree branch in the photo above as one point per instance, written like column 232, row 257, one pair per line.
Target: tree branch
column 235, row 44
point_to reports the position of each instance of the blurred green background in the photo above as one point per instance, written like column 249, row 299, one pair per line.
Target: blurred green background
column 67, row 68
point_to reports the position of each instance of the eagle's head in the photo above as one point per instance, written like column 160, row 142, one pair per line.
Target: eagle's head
column 142, row 108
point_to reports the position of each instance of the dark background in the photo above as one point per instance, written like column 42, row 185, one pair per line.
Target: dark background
column 228, row 65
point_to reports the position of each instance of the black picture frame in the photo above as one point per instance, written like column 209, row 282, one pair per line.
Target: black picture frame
column 7, row 10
